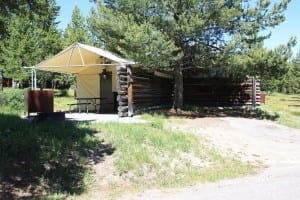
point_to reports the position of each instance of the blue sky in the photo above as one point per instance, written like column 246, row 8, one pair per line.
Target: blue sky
column 66, row 8
column 280, row 34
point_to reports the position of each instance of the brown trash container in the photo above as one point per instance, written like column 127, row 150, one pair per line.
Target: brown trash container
column 37, row 101
column 262, row 98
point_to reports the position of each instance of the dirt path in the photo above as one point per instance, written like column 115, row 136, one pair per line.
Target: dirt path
column 273, row 145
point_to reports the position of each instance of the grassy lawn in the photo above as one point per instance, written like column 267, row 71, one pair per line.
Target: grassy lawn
column 48, row 160
column 286, row 106
column 39, row 160
column 60, row 103
column 62, row 98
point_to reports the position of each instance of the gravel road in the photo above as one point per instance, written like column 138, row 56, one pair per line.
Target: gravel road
column 266, row 142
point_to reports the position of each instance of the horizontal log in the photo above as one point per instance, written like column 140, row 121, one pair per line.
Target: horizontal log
column 123, row 78
column 123, row 114
column 216, row 87
column 122, row 97
column 219, row 96
column 122, row 92
column 141, row 78
column 123, row 87
column 151, row 97
column 122, row 73
column 216, row 102
column 216, row 96
column 122, row 82
column 142, row 73
column 153, row 90
column 123, row 108
column 122, row 70
column 204, row 84
column 142, row 85
column 151, row 107
column 152, row 102
column 123, row 103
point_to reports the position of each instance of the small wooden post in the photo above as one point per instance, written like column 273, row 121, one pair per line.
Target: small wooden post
column 253, row 92
column 130, row 90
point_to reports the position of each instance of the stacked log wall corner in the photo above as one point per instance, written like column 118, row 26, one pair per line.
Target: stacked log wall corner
column 122, row 97
column 130, row 91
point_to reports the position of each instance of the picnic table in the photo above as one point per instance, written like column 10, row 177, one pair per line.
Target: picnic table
column 84, row 102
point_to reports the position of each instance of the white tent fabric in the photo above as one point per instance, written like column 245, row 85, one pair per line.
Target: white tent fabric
column 87, row 63
column 82, row 59
column 88, row 86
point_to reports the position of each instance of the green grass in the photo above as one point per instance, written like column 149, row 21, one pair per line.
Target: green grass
column 50, row 158
column 60, row 103
column 62, row 98
column 156, row 157
column 286, row 106
column 53, row 157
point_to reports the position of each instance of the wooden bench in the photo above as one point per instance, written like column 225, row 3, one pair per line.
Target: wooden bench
column 79, row 106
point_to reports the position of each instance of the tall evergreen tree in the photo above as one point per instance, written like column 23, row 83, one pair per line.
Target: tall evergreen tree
column 177, row 35
column 30, row 39
column 28, row 7
column 77, row 29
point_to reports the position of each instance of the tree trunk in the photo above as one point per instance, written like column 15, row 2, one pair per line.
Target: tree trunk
column 178, row 88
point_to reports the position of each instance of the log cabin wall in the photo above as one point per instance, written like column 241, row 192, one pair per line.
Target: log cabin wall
column 150, row 91
column 221, row 92
column 140, row 90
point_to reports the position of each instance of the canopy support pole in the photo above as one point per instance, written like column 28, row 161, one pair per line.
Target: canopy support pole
column 33, row 78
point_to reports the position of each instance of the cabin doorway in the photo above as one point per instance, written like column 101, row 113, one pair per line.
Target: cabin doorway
column 107, row 103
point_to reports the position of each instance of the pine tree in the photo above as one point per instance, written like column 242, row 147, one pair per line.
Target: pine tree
column 77, row 30
column 28, row 7
column 30, row 39
column 177, row 35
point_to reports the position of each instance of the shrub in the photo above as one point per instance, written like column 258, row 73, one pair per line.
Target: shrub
column 1, row 99
column 13, row 98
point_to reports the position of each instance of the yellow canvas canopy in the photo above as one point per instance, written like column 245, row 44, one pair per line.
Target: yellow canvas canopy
column 82, row 59
column 88, row 64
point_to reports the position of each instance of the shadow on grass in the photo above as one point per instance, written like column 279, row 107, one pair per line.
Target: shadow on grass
column 198, row 112
column 297, row 98
column 296, row 113
column 46, row 158
column 61, row 93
